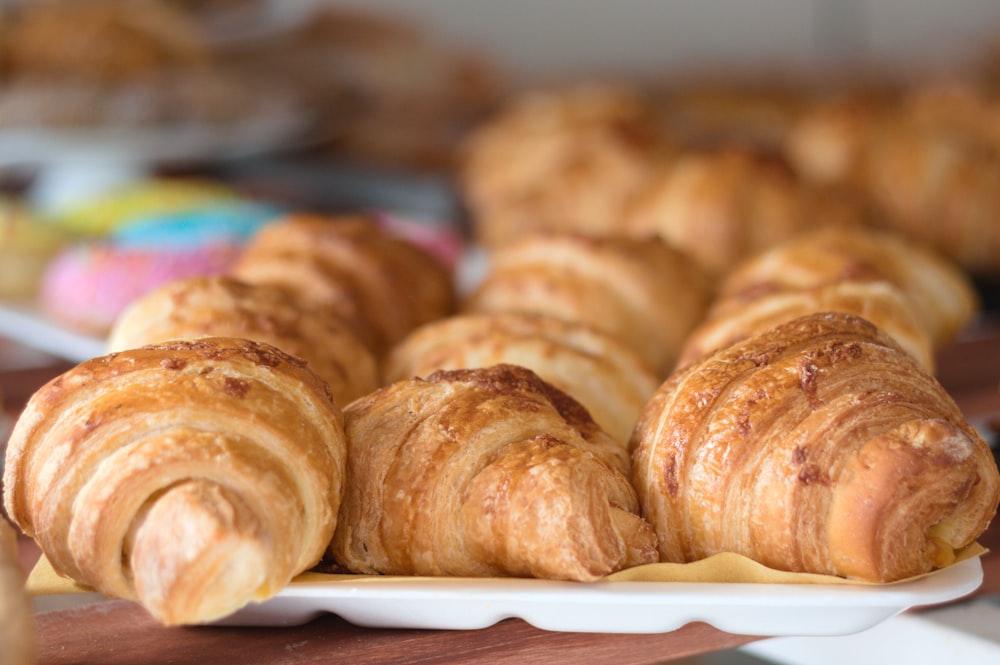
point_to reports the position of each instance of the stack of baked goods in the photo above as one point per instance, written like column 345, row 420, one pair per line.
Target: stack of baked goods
column 111, row 63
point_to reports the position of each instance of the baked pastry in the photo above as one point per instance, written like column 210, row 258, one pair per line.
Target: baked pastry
column 17, row 623
column 819, row 446
column 880, row 302
column 485, row 472
column 722, row 205
column 604, row 375
column 640, row 291
column 383, row 285
column 560, row 160
column 925, row 158
column 225, row 307
column 192, row 476
column 941, row 295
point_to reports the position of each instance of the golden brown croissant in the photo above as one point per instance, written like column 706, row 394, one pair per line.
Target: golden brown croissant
column 605, row 376
column 885, row 305
column 638, row 290
column 818, row 446
column 485, row 472
column 723, row 205
column 383, row 285
column 559, row 160
column 941, row 295
column 17, row 624
column 226, row 307
column 192, row 476
column 927, row 159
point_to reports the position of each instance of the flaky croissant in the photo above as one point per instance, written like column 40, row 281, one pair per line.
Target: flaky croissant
column 941, row 295
column 818, row 446
column 559, row 160
column 225, row 307
column 192, row 476
column 17, row 624
column 735, row 319
column 485, row 472
column 640, row 291
column 720, row 206
column 385, row 286
column 602, row 374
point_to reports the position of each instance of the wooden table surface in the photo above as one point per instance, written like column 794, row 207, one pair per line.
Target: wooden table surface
column 121, row 632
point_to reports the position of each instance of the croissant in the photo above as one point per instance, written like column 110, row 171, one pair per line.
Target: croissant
column 941, row 294
column 605, row 376
column 559, row 160
column 17, row 625
column 225, row 307
column 639, row 291
column 819, row 446
column 383, row 285
column 192, row 476
column 723, row 205
column 485, row 472
column 925, row 159
column 735, row 319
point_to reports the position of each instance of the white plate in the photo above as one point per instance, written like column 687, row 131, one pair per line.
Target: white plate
column 609, row 607
column 22, row 323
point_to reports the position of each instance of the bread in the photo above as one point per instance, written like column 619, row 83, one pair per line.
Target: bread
column 722, row 205
column 192, row 476
column 17, row 623
column 818, row 446
column 383, row 285
column 605, row 376
column 485, row 472
column 640, row 291
column 941, row 294
column 880, row 302
column 226, row 307
column 563, row 160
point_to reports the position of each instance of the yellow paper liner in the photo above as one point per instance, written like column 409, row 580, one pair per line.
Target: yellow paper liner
column 720, row 568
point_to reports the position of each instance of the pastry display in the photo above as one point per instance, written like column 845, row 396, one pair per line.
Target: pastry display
column 941, row 295
column 17, row 623
column 561, row 160
column 383, row 285
column 639, row 291
column 818, row 446
column 485, row 472
column 225, row 307
column 191, row 476
column 604, row 375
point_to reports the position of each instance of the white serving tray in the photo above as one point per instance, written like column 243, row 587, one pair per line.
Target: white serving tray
column 611, row 606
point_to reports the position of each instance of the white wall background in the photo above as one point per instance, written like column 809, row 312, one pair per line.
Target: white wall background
column 540, row 40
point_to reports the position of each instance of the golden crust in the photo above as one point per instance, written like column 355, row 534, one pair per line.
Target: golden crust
column 819, row 446
column 602, row 374
column 192, row 476
column 383, row 285
column 225, row 307
column 638, row 290
column 485, row 472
